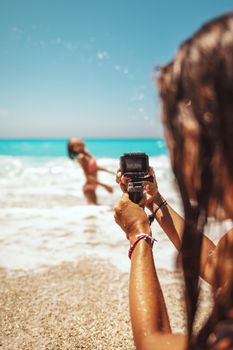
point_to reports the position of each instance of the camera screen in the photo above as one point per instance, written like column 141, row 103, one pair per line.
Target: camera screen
column 134, row 164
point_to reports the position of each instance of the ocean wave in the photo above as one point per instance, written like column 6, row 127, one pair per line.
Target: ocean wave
column 45, row 219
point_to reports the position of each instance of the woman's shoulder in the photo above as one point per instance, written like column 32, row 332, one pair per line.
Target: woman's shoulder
column 81, row 156
column 82, row 159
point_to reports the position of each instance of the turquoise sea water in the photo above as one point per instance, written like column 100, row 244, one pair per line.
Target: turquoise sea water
column 112, row 148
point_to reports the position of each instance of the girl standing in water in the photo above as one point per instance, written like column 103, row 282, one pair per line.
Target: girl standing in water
column 77, row 151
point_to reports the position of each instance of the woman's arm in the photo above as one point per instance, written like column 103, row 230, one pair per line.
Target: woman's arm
column 147, row 306
column 92, row 178
column 149, row 317
column 173, row 225
column 219, row 263
column 171, row 222
column 106, row 170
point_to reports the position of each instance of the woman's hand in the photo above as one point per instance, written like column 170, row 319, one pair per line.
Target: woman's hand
column 151, row 193
column 122, row 180
column 131, row 218
column 108, row 188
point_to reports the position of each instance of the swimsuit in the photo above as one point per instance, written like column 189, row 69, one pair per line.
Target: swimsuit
column 91, row 166
column 90, row 169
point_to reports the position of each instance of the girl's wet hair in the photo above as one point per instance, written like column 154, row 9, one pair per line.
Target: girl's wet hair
column 72, row 155
column 200, row 81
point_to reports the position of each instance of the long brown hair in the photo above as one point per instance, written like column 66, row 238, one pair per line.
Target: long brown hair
column 196, row 89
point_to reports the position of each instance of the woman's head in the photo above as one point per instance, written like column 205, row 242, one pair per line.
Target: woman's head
column 74, row 147
column 196, row 91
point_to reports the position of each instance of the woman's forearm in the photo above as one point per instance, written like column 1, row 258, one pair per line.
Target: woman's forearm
column 106, row 170
column 173, row 225
column 147, row 305
column 169, row 220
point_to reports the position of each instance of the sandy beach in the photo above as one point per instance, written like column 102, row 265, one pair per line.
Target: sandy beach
column 77, row 306
column 71, row 306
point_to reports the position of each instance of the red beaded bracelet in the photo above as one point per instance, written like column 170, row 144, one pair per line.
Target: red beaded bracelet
column 150, row 240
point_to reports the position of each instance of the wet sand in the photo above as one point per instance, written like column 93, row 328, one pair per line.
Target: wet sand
column 76, row 306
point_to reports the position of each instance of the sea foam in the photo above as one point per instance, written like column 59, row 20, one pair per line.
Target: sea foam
column 45, row 220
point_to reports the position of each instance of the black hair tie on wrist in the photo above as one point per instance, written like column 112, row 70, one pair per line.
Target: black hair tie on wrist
column 152, row 216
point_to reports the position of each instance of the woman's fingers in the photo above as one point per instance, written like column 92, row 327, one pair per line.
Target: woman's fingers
column 109, row 188
column 151, row 171
column 150, row 188
column 118, row 176
column 122, row 181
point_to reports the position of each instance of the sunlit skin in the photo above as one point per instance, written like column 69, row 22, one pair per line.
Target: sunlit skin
column 150, row 323
column 171, row 223
column 148, row 311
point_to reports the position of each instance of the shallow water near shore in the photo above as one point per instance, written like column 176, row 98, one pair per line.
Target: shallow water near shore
column 44, row 217
column 45, row 220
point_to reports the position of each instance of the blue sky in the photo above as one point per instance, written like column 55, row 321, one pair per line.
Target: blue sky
column 84, row 68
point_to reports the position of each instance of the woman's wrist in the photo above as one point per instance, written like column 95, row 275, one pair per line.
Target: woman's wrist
column 154, row 202
column 158, row 199
column 141, row 237
column 143, row 229
column 158, row 203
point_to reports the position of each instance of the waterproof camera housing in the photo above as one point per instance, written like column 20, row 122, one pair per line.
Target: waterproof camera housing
column 136, row 167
